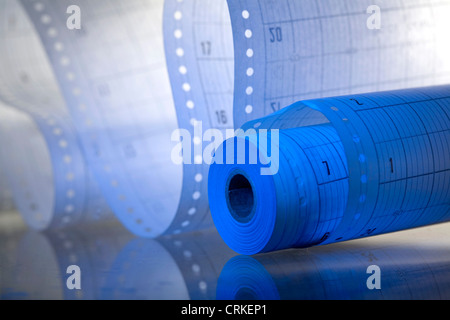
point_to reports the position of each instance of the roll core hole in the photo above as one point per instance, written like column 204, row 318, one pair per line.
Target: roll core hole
column 240, row 198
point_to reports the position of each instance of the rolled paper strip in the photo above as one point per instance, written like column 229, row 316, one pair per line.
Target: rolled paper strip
column 133, row 79
column 335, row 169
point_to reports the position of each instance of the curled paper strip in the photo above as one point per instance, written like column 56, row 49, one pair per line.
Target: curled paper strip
column 136, row 73
column 117, row 89
column 50, row 181
column 6, row 202
column 335, row 169
column 46, row 172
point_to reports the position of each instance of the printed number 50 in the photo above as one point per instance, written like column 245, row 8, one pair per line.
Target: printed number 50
column 276, row 34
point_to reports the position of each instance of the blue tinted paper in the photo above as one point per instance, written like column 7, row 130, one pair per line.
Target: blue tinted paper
column 138, row 71
column 45, row 171
column 50, row 181
column 372, row 164
column 300, row 50
column 117, row 89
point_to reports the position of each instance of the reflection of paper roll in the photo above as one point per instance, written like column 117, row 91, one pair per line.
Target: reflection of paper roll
column 30, row 269
column 113, row 265
column 94, row 252
column 380, row 165
column 37, row 266
column 175, row 268
column 407, row 271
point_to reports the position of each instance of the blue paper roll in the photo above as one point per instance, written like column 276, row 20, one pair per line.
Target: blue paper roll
column 337, row 169
column 131, row 75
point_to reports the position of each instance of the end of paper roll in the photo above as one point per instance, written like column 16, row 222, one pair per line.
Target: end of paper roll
column 255, row 212
column 237, row 190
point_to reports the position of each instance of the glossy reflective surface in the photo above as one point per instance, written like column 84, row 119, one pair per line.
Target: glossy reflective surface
column 414, row 264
